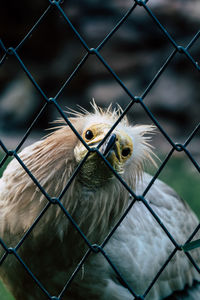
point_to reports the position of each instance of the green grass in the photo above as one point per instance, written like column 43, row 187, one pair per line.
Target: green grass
column 4, row 294
column 181, row 175
column 178, row 173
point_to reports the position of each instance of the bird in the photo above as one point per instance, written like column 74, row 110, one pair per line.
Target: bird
column 82, row 223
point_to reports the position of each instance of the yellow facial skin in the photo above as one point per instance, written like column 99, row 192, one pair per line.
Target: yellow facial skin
column 94, row 169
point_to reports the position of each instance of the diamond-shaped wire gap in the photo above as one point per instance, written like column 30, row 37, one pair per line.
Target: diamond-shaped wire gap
column 10, row 67
column 186, row 185
column 19, row 90
column 118, row 273
column 173, row 100
column 117, row 224
column 166, row 283
column 22, row 110
column 165, row 65
column 71, row 89
column 159, row 273
column 14, row 259
column 27, row 170
column 102, row 259
column 94, row 81
column 12, row 51
column 33, row 28
column 8, row 70
column 97, row 23
column 116, row 27
column 58, row 56
column 137, row 50
column 79, row 268
column 9, row 260
column 169, row 59
column 176, row 19
column 68, row 21
column 158, row 23
column 179, row 48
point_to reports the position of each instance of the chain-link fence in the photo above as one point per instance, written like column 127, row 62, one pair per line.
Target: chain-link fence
column 178, row 50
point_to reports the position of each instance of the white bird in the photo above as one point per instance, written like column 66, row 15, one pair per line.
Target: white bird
column 96, row 200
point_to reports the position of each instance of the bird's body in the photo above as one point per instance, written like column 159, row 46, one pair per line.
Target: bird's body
column 96, row 200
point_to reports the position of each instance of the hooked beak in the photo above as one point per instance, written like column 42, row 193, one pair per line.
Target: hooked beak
column 111, row 145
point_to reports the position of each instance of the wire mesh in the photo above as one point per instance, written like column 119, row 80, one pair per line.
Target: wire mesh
column 178, row 50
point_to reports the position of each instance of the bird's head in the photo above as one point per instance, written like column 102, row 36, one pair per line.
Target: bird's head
column 125, row 147
column 117, row 148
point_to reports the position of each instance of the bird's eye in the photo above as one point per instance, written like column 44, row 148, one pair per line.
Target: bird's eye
column 126, row 151
column 89, row 134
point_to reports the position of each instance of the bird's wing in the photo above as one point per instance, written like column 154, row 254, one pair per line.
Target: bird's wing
column 174, row 212
column 143, row 247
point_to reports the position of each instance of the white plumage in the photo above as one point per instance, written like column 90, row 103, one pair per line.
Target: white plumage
column 96, row 200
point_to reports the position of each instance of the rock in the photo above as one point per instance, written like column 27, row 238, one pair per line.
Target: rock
column 18, row 104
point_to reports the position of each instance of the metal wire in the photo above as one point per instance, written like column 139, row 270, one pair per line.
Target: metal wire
column 174, row 147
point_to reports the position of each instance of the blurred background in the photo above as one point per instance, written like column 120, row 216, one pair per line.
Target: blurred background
column 136, row 52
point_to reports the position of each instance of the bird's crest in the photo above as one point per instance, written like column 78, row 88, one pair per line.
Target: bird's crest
column 113, row 113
